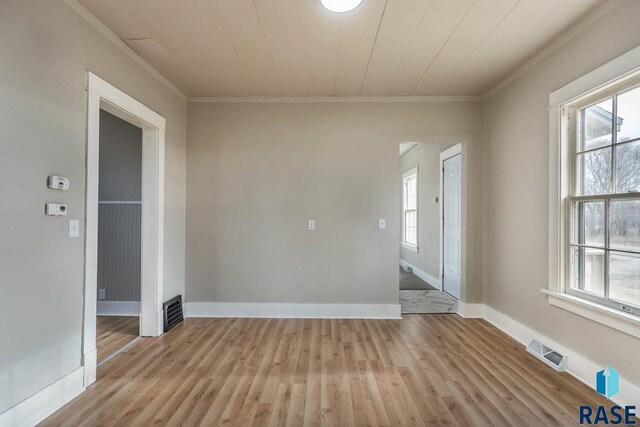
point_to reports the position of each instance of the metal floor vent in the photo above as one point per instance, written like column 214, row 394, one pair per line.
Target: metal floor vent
column 548, row 355
column 172, row 312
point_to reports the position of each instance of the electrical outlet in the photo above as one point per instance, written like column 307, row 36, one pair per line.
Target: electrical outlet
column 101, row 294
column 74, row 228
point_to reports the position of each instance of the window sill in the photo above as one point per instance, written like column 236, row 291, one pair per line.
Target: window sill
column 623, row 322
column 409, row 247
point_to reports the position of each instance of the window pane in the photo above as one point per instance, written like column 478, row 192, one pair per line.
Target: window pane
column 588, row 267
column 624, row 277
column 589, row 222
column 411, row 199
column 628, row 167
column 596, row 125
column 410, row 228
column 625, row 225
column 595, row 172
column 629, row 115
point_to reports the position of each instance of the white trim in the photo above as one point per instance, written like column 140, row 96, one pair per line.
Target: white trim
column 470, row 310
column 152, row 213
column 557, row 42
column 89, row 352
column 613, row 72
column 118, row 102
column 408, row 246
column 422, row 274
column 102, row 95
column 340, row 99
column 118, row 308
column 445, row 155
column 616, row 319
column 292, row 310
column 579, row 366
column 408, row 174
column 36, row 408
column 113, row 38
column 451, row 152
column 119, row 202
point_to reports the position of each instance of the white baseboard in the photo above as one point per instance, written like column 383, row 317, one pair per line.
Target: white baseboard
column 90, row 362
column 118, row 308
column 579, row 366
column 33, row 410
column 471, row 310
column 292, row 310
column 432, row 280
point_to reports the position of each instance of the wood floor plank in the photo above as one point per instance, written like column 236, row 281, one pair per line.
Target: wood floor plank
column 114, row 332
column 422, row 370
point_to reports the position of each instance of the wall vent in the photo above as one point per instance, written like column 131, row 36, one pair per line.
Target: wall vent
column 551, row 357
column 172, row 312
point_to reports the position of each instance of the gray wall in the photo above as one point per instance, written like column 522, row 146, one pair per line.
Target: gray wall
column 517, row 183
column 120, row 159
column 427, row 158
column 45, row 48
column 119, row 225
column 119, row 252
column 258, row 171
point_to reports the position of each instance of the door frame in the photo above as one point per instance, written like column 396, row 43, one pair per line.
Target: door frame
column 103, row 96
column 446, row 155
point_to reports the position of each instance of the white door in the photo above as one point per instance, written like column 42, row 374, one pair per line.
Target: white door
column 451, row 195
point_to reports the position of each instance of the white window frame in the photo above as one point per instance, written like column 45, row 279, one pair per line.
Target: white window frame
column 573, row 110
column 621, row 72
column 405, row 176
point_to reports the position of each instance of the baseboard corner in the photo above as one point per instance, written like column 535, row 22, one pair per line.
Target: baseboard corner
column 471, row 310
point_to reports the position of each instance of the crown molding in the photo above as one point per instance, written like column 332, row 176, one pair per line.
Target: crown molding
column 332, row 99
column 564, row 38
column 91, row 18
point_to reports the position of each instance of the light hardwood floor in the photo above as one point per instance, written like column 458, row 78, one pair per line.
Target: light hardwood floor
column 114, row 332
column 425, row 369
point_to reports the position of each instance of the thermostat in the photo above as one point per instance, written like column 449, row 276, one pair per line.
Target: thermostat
column 58, row 182
column 55, row 209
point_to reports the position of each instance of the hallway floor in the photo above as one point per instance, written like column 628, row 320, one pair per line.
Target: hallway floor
column 114, row 332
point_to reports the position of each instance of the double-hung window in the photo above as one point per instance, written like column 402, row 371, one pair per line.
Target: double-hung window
column 603, row 203
column 410, row 209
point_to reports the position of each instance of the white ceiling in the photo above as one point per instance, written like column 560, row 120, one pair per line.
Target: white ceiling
column 297, row 48
column 405, row 147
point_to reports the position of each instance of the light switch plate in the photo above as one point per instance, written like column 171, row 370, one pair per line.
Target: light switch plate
column 312, row 224
column 382, row 224
column 74, row 228
column 101, row 294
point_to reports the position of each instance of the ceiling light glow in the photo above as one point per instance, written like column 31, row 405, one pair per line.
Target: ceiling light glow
column 340, row 6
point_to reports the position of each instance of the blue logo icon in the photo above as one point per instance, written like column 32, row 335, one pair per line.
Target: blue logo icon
column 608, row 382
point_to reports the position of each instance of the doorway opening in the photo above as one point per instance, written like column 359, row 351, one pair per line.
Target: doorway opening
column 104, row 98
column 119, row 235
column 425, row 276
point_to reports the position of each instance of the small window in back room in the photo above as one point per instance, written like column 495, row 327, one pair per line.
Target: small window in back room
column 410, row 208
